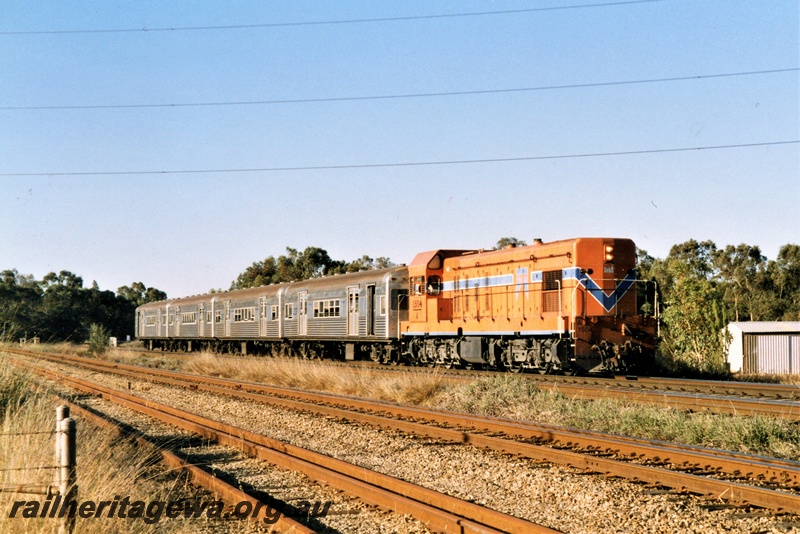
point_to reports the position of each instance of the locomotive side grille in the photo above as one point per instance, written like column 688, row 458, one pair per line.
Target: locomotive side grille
column 552, row 284
column 552, row 280
column 550, row 301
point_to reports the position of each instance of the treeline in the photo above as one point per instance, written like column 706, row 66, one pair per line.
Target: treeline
column 295, row 265
column 702, row 288
column 59, row 308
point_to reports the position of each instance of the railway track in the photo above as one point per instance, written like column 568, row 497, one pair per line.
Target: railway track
column 438, row 511
column 731, row 388
column 745, row 479
column 739, row 398
column 198, row 475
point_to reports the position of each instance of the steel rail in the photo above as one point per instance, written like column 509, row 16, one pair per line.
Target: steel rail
column 598, row 389
column 438, row 511
column 198, row 475
column 772, row 470
column 490, row 424
column 775, row 471
column 633, row 382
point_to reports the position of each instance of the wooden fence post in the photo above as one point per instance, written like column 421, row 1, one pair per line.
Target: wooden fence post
column 62, row 412
column 68, row 469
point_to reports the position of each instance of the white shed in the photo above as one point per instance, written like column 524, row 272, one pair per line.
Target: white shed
column 768, row 347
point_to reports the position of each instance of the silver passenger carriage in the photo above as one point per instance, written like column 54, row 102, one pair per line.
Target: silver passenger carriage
column 348, row 316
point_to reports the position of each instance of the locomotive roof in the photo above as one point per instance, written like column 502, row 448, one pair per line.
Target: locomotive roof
column 423, row 258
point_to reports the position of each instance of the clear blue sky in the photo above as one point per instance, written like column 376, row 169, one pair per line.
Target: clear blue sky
column 67, row 204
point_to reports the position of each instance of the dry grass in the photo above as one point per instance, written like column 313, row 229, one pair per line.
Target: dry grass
column 413, row 387
column 107, row 466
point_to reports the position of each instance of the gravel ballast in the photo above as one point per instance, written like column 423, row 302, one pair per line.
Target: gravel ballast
column 561, row 498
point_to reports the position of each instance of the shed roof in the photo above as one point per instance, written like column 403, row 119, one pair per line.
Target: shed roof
column 767, row 326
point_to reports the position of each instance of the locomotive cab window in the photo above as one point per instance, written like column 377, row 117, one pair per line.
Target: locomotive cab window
column 436, row 263
column 434, row 286
column 417, row 285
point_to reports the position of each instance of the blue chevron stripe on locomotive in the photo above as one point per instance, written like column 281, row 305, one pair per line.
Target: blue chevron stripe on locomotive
column 608, row 302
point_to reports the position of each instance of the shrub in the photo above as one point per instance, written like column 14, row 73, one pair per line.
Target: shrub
column 98, row 339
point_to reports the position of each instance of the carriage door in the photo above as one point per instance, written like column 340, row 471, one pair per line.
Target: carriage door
column 370, row 310
column 262, row 304
column 227, row 318
column 352, row 311
column 201, row 320
column 302, row 313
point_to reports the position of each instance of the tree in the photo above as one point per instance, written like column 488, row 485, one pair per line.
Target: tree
column 693, row 320
column 647, row 287
column 784, row 274
column 313, row 262
column 693, row 308
column 365, row 263
column 63, row 308
column 137, row 294
column 738, row 269
column 505, row 242
column 20, row 305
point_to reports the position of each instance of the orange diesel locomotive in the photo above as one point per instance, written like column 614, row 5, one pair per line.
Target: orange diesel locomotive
column 565, row 305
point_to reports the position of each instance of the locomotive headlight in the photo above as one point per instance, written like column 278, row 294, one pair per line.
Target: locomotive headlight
column 609, row 253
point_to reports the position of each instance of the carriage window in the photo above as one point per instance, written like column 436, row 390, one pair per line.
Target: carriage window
column 288, row 311
column 274, row 312
column 399, row 299
column 218, row 317
column 244, row 315
column 382, row 305
column 327, row 308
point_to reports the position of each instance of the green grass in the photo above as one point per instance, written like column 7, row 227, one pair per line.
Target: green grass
column 517, row 398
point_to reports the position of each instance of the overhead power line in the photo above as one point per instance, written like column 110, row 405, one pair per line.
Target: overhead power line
column 402, row 96
column 407, row 164
column 328, row 22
